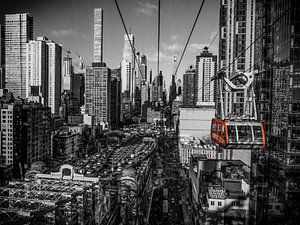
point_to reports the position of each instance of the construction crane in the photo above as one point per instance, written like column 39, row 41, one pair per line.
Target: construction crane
column 231, row 131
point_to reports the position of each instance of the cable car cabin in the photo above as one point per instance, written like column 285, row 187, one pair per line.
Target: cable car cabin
column 238, row 135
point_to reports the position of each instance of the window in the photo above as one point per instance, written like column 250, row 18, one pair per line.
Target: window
column 219, row 203
column 231, row 134
column 245, row 133
column 212, row 203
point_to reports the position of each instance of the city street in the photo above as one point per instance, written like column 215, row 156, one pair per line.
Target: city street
column 170, row 201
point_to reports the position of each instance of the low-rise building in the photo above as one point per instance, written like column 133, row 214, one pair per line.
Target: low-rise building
column 220, row 191
column 189, row 146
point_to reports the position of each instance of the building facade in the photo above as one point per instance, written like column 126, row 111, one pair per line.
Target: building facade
column 2, row 57
column 115, row 98
column 277, row 89
column 25, row 138
column 18, row 31
column 97, row 93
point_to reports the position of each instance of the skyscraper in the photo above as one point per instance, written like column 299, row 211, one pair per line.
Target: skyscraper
column 189, row 97
column 54, row 77
column 237, row 21
column 128, row 67
column 97, row 80
column 98, row 35
column 206, row 66
column 37, row 69
column 18, row 31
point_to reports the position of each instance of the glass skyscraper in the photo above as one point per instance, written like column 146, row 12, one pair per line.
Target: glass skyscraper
column 18, row 31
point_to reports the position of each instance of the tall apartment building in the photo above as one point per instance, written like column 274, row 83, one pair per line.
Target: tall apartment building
column 206, row 68
column 54, row 76
column 237, row 23
column 278, row 94
column 25, row 129
column 2, row 57
column 189, row 97
column 18, row 31
column 98, row 35
column 37, row 69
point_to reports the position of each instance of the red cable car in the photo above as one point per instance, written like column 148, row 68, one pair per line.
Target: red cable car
column 238, row 134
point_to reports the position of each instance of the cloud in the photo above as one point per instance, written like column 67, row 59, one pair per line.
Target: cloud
column 174, row 37
column 174, row 47
column 145, row 9
column 196, row 48
column 163, row 57
column 67, row 33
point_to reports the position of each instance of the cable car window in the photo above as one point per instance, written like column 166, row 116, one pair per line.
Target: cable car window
column 220, row 129
column 231, row 134
column 245, row 133
column 223, row 133
column 257, row 133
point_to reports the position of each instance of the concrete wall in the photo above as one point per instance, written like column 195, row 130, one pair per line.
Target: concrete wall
column 196, row 121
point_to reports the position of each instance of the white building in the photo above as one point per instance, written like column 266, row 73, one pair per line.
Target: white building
column 237, row 32
column 54, row 79
column 37, row 69
column 196, row 121
column 6, row 146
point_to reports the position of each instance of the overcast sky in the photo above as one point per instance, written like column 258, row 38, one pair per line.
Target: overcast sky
column 70, row 23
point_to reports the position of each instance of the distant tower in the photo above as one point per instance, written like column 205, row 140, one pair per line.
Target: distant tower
column 206, row 67
column 98, row 35
column 175, row 66
column 18, row 31
column 67, row 73
column 128, row 67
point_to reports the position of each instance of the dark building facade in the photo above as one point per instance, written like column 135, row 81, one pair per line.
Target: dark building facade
column 25, row 135
column 278, row 95
column 115, row 98
column 77, row 87
column 2, row 56
column 189, row 97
